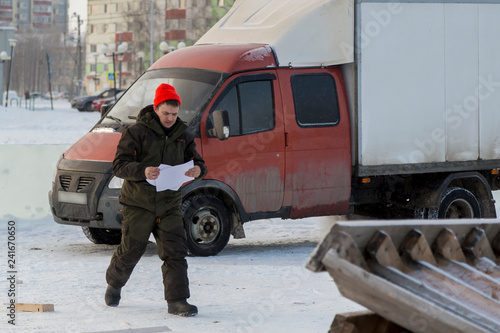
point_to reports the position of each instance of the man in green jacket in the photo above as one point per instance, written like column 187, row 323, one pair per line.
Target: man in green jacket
column 158, row 137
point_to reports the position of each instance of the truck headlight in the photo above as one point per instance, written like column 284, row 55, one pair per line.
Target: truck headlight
column 115, row 182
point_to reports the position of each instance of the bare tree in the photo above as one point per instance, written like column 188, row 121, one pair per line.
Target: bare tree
column 138, row 22
column 30, row 70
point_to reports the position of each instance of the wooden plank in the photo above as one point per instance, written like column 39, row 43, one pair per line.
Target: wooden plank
column 476, row 245
column 417, row 248
column 362, row 322
column 447, row 245
column 383, row 250
column 343, row 245
column 28, row 307
column 394, row 303
column 471, row 277
column 440, row 276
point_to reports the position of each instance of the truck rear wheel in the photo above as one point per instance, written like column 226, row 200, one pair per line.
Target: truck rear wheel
column 103, row 236
column 207, row 223
column 456, row 203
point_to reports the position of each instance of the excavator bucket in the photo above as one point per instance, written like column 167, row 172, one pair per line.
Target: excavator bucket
column 423, row 277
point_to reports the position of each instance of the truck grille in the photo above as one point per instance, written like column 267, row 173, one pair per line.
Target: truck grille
column 65, row 181
column 84, row 182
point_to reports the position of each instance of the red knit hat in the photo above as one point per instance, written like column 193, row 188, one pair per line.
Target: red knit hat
column 165, row 92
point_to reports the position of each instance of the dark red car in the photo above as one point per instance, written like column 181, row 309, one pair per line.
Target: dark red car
column 96, row 104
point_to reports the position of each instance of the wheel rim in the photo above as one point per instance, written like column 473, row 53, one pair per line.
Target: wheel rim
column 205, row 227
column 459, row 209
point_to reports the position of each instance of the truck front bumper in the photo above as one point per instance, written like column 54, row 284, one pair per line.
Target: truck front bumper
column 81, row 195
column 108, row 216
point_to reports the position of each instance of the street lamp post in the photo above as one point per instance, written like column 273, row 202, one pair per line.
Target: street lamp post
column 120, row 60
column 3, row 58
column 121, row 49
column 95, row 75
column 12, row 43
column 141, row 61
column 105, row 50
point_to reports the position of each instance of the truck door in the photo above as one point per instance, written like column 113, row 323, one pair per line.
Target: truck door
column 251, row 161
column 317, row 147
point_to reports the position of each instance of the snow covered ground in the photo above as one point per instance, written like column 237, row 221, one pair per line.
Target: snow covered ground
column 258, row 284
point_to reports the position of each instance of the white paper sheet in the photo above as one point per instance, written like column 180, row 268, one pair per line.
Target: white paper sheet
column 171, row 177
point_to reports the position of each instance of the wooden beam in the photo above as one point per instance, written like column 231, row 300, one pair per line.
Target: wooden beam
column 28, row 307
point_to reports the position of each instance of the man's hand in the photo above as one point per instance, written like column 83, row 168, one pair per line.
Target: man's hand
column 193, row 172
column 152, row 172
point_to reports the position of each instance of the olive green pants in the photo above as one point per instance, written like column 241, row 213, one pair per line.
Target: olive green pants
column 170, row 237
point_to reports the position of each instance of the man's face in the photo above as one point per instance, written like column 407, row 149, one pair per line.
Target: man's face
column 167, row 114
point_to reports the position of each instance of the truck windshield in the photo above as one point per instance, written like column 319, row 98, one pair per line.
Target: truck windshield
column 194, row 86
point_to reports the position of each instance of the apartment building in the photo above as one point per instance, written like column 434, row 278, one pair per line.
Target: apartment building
column 34, row 15
column 133, row 33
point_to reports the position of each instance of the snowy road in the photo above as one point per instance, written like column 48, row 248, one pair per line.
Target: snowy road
column 258, row 284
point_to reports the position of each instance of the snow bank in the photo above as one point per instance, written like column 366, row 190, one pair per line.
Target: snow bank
column 31, row 142
column 44, row 125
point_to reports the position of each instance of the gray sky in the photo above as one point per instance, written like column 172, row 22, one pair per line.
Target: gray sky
column 79, row 7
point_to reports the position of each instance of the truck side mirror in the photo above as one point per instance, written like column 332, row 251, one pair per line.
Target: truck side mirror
column 221, row 125
column 104, row 109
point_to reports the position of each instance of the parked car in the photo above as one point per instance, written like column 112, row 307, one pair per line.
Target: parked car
column 98, row 103
column 109, row 103
column 84, row 103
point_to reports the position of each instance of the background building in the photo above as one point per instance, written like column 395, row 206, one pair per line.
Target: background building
column 34, row 15
column 41, row 34
column 49, row 57
column 134, row 30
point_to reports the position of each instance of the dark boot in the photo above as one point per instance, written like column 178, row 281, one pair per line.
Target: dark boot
column 112, row 296
column 182, row 308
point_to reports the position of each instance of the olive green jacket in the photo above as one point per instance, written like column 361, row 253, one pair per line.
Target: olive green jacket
column 145, row 144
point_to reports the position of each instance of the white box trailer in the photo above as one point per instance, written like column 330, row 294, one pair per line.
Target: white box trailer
column 425, row 86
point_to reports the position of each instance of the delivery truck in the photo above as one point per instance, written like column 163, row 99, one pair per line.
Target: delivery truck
column 307, row 108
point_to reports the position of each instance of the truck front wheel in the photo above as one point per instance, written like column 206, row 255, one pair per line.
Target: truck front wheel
column 103, row 236
column 207, row 223
column 456, row 203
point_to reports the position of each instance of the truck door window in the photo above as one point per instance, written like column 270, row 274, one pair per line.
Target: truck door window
column 256, row 106
column 315, row 99
column 250, row 107
column 230, row 104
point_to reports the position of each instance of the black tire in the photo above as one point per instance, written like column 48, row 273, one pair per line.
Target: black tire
column 208, row 225
column 103, row 236
column 88, row 106
column 456, row 203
